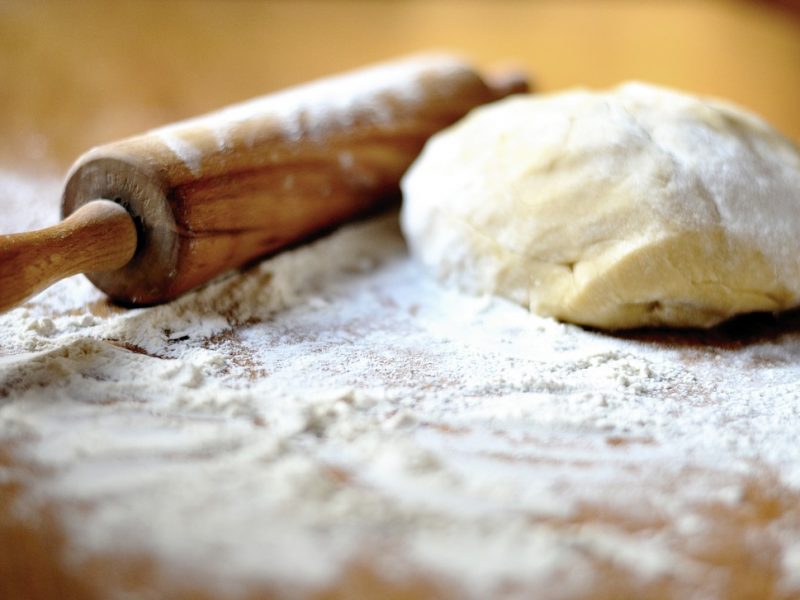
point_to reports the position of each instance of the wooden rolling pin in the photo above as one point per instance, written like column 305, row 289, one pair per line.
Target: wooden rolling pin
column 153, row 216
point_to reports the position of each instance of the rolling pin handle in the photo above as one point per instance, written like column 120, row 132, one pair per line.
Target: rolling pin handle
column 100, row 236
column 508, row 79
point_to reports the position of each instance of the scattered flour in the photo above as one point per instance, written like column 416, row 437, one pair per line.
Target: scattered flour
column 333, row 406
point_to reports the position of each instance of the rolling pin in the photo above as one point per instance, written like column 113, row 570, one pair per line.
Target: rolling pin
column 156, row 215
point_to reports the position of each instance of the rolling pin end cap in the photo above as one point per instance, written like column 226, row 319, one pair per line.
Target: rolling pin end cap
column 508, row 79
column 147, row 276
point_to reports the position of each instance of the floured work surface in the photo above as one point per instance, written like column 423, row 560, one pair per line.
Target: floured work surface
column 332, row 424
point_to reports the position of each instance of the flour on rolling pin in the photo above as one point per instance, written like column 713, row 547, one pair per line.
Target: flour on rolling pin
column 214, row 192
column 311, row 112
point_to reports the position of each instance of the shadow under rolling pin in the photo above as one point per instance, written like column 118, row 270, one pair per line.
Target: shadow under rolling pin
column 151, row 217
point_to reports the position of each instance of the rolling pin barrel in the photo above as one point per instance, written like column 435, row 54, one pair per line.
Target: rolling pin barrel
column 215, row 192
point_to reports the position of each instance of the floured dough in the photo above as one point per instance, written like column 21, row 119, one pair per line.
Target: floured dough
column 634, row 207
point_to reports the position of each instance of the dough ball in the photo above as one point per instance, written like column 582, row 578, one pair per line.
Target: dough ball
column 635, row 207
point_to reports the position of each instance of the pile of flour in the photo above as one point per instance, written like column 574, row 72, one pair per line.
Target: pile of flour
column 334, row 407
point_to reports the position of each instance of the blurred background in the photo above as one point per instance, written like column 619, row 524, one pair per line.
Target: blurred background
column 78, row 73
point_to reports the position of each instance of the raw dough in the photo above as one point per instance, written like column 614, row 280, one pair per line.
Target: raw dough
column 639, row 206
